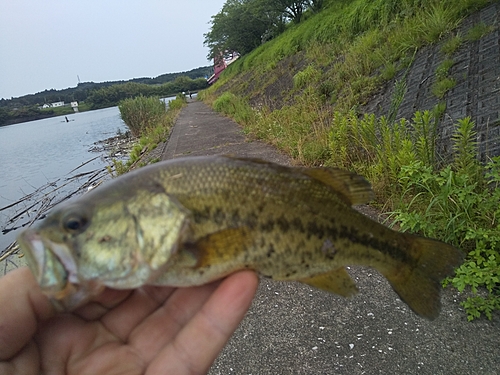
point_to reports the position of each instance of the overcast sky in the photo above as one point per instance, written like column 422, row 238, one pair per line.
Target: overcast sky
column 46, row 44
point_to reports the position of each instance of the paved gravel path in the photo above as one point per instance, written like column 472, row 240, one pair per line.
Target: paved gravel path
column 294, row 329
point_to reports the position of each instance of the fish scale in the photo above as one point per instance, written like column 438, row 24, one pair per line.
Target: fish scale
column 190, row 221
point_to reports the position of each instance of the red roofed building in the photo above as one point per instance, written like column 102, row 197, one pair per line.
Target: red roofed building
column 220, row 64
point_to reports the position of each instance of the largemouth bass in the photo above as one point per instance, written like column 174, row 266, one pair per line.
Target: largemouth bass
column 190, row 221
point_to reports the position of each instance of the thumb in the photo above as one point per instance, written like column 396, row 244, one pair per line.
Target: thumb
column 23, row 306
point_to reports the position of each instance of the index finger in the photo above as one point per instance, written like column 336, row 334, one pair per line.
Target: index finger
column 23, row 305
column 200, row 341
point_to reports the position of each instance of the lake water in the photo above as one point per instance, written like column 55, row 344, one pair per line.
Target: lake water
column 38, row 152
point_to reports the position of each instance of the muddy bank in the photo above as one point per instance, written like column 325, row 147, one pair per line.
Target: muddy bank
column 118, row 146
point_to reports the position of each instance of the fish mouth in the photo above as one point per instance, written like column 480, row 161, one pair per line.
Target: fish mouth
column 54, row 269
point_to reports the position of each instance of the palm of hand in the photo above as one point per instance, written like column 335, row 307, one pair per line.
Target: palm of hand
column 147, row 331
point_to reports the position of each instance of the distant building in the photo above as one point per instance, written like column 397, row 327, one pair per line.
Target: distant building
column 57, row 104
column 220, row 64
column 74, row 105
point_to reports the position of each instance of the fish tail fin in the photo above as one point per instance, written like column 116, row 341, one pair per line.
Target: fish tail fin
column 419, row 284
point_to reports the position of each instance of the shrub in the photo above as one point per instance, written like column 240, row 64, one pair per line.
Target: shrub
column 231, row 105
column 442, row 86
column 141, row 113
column 459, row 205
column 307, row 76
column 149, row 119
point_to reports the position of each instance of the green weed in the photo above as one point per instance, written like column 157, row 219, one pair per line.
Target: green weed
column 397, row 98
column 372, row 147
column 344, row 46
column 478, row 31
column 460, row 206
column 442, row 86
column 235, row 107
column 309, row 75
column 389, row 71
column 438, row 110
column 326, row 89
column 443, row 69
column 451, row 45
column 117, row 168
column 425, row 135
column 436, row 22
column 443, row 82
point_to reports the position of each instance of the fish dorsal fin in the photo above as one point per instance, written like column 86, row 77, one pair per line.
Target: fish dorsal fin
column 337, row 281
column 351, row 187
column 245, row 158
column 253, row 160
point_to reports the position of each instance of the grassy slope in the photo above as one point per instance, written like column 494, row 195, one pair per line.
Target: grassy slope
column 303, row 92
column 334, row 61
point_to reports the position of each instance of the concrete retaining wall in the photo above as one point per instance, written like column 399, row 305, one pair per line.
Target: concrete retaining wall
column 476, row 94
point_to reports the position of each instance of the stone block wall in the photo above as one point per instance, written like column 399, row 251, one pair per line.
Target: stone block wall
column 476, row 70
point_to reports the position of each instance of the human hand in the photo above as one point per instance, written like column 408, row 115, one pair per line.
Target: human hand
column 150, row 330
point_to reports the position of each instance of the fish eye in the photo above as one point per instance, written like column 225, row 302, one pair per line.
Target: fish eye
column 75, row 223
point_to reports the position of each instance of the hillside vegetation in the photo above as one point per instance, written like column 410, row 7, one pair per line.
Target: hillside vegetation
column 304, row 91
column 96, row 95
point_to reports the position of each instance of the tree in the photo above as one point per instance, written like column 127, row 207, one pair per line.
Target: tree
column 243, row 25
column 238, row 27
column 293, row 9
column 316, row 5
column 4, row 115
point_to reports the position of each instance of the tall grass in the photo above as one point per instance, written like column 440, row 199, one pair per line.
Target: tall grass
column 229, row 104
column 150, row 121
column 141, row 113
column 353, row 46
column 459, row 205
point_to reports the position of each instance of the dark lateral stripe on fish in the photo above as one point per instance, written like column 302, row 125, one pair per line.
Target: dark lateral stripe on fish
column 310, row 229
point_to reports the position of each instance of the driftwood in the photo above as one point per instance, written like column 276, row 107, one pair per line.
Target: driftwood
column 13, row 247
column 45, row 200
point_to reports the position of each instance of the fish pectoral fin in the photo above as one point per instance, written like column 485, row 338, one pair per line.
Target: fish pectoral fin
column 337, row 281
column 222, row 246
column 351, row 187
